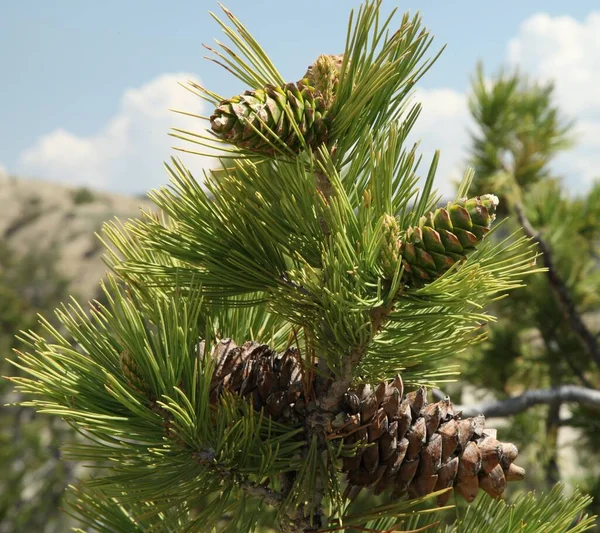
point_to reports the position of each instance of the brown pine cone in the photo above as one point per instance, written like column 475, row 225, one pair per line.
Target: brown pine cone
column 270, row 380
column 394, row 440
column 416, row 447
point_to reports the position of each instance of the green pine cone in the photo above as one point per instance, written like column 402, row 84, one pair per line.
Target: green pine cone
column 262, row 120
column 444, row 237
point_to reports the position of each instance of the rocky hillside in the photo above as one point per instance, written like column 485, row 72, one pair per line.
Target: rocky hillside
column 45, row 216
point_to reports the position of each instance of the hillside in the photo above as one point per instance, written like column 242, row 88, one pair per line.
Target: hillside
column 47, row 216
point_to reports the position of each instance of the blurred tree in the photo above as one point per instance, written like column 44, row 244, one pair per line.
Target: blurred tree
column 545, row 342
column 33, row 477
column 520, row 130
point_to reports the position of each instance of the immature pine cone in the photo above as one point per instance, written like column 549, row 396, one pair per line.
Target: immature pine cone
column 324, row 75
column 441, row 238
column 268, row 120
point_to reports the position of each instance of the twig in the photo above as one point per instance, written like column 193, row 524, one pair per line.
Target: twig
column 334, row 395
column 259, row 491
column 270, row 497
column 560, row 289
column 296, row 523
column 518, row 404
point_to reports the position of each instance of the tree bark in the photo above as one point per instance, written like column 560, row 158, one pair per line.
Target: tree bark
column 518, row 404
column 560, row 289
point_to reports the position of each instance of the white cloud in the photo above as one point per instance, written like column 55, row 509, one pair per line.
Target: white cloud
column 567, row 51
column 127, row 154
column 443, row 125
column 559, row 49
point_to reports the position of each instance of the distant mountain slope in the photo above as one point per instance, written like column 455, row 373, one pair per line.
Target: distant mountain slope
column 43, row 215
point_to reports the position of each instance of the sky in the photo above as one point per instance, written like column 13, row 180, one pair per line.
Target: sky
column 86, row 86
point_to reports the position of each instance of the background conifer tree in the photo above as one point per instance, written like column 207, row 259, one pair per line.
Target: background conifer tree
column 267, row 343
column 545, row 342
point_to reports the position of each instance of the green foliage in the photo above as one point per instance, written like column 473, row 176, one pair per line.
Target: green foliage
column 551, row 513
column 283, row 250
column 239, row 237
column 533, row 326
column 533, row 344
column 83, row 195
column 33, row 477
column 127, row 429
column 521, row 129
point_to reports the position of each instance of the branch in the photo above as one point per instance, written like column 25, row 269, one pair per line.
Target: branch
column 333, row 396
column 296, row 522
column 518, row 404
column 270, row 497
column 259, row 491
column 559, row 287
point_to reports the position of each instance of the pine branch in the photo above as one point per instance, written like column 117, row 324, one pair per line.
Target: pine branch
column 270, row 497
column 319, row 228
column 560, row 289
column 518, row 404
column 553, row 512
column 333, row 397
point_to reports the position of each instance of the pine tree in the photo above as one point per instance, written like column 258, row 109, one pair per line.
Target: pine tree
column 267, row 343
column 546, row 336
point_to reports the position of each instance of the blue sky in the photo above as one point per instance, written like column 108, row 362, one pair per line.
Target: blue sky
column 84, row 82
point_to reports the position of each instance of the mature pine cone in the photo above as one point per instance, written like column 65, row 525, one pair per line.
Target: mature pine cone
column 395, row 442
column 419, row 448
column 269, row 380
column 259, row 119
column 441, row 238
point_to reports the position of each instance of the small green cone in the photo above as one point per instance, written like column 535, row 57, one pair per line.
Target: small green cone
column 324, row 75
column 274, row 119
column 442, row 238
column 390, row 246
column 132, row 373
